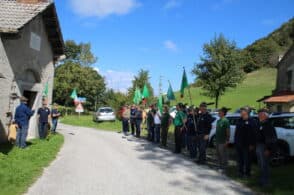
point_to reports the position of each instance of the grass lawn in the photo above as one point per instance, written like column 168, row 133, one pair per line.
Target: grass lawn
column 20, row 168
column 281, row 179
column 87, row 121
column 255, row 85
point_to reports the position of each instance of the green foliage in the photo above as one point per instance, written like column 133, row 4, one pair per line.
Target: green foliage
column 20, row 168
column 255, row 85
column 220, row 68
column 114, row 99
column 79, row 53
column 139, row 81
column 265, row 52
column 75, row 73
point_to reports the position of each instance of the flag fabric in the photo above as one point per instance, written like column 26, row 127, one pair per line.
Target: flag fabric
column 46, row 90
column 184, row 83
column 145, row 93
column 74, row 94
column 137, row 96
column 170, row 94
column 160, row 103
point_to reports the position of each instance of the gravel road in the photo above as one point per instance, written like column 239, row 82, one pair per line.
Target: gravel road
column 100, row 162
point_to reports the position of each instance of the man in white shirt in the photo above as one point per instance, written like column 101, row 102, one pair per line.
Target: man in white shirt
column 157, row 123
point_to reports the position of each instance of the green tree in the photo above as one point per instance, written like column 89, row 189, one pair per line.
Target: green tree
column 220, row 67
column 80, row 53
column 140, row 80
column 76, row 72
column 114, row 99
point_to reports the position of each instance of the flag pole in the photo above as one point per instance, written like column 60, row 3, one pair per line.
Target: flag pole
column 190, row 97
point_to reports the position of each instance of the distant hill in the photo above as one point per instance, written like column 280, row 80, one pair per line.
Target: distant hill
column 256, row 85
column 266, row 51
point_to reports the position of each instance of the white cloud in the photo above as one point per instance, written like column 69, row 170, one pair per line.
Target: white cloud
column 118, row 80
column 170, row 45
column 103, row 8
column 97, row 69
column 220, row 4
column 170, row 4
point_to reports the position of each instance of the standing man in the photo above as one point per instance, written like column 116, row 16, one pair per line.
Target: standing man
column 138, row 118
column 22, row 116
column 55, row 114
column 133, row 118
column 125, row 119
column 191, row 133
column 43, row 114
column 157, row 125
column 150, row 123
column 165, row 123
column 244, row 141
column 179, row 122
column 203, row 131
column 222, row 138
column 266, row 140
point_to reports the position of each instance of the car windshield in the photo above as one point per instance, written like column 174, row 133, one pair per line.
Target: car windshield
column 283, row 122
column 105, row 110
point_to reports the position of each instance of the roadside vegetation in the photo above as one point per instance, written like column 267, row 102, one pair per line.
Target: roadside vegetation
column 19, row 168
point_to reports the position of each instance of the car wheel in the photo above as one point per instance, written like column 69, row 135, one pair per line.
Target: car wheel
column 279, row 157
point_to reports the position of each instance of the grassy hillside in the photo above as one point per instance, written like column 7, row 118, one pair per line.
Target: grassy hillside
column 256, row 85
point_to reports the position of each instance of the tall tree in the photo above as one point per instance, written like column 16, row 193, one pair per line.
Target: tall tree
column 140, row 80
column 76, row 72
column 220, row 67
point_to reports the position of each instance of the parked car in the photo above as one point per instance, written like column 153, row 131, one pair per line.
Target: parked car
column 104, row 114
column 284, row 124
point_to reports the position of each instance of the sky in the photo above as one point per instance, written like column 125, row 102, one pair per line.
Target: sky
column 162, row 36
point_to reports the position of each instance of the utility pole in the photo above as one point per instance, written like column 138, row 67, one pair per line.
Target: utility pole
column 160, row 85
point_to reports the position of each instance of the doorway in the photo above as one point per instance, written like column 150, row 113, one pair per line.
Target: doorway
column 31, row 95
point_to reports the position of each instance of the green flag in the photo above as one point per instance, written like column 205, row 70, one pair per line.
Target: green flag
column 170, row 94
column 137, row 96
column 74, row 94
column 160, row 103
column 145, row 93
column 184, row 83
column 46, row 90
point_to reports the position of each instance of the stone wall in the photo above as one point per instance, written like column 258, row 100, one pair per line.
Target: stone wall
column 27, row 64
column 285, row 65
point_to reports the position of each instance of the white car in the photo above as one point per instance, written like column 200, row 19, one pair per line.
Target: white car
column 284, row 124
column 104, row 114
column 233, row 118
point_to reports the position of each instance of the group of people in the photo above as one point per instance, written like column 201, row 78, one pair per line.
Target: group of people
column 192, row 130
column 23, row 113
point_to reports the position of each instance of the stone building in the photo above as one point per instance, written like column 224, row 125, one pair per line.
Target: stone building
column 282, row 99
column 30, row 44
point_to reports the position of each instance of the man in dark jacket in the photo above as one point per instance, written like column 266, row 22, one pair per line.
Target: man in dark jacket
column 22, row 116
column 245, row 141
column 203, row 131
column 266, row 139
column 150, row 123
column 191, row 133
column 43, row 114
column 133, row 118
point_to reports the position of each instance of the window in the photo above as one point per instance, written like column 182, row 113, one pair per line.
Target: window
column 283, row 122
column 105, row 110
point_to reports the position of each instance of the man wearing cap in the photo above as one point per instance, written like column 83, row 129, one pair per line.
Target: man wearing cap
column 222, row 137
column 203, row 131
column 266, row 140
column 43, row 114
column 22, row 117
column 125, row 119
column 133, row 118
column 179, row 123
column 244, row 141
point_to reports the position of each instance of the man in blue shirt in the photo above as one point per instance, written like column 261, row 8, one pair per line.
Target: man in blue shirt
column 22, row 117
column 43, row 114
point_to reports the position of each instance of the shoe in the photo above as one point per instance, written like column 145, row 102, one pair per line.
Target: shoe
column 201, row 162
